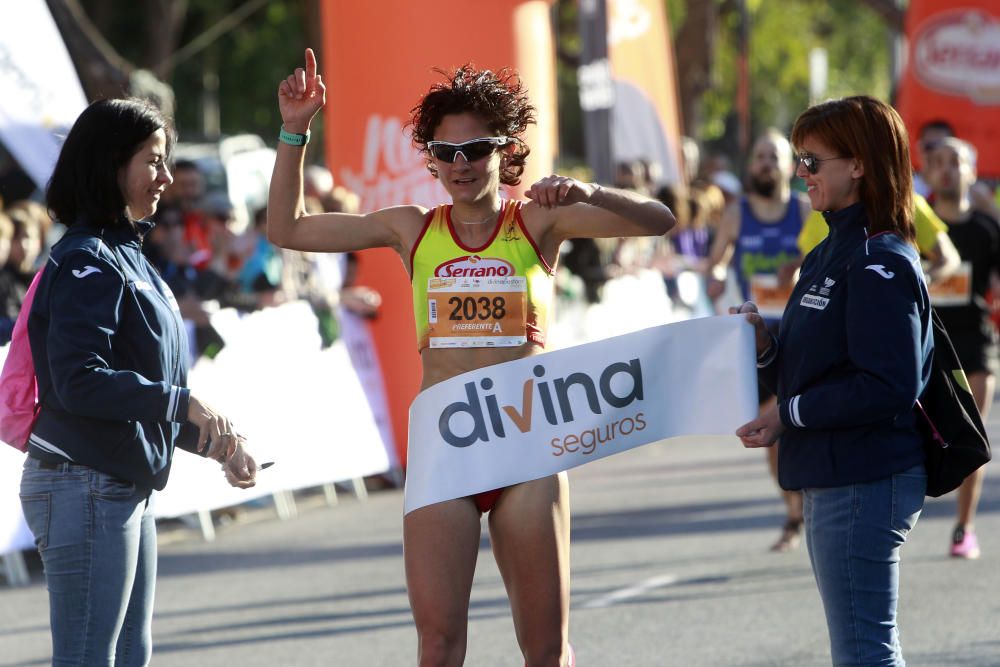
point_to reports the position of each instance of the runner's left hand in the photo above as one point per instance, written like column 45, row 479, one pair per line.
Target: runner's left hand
column 360, row 300
column 556, row 190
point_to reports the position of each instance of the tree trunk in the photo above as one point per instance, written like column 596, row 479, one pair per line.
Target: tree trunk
column 695, row 49
column 314, row 26
column 101, row 13
column 103, row 73
column 163, row 20
column 889, row 11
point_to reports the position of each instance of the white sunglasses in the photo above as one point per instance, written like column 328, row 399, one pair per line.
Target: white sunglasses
column 471, row 150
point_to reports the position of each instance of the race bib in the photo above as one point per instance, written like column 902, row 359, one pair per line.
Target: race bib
column 955, row 290
column 477, row 312
column 769, row 296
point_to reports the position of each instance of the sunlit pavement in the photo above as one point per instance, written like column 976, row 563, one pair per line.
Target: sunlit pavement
column 670, row 567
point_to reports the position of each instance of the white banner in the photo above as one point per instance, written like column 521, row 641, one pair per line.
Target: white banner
column 41, row 93
column 298, row 405
column 537, row 416
column 355, row 334
column 14, row 533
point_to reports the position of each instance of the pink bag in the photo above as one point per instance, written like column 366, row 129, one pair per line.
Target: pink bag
column 18, row 387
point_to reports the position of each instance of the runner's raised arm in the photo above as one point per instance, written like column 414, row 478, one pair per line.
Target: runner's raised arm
column 300, row 97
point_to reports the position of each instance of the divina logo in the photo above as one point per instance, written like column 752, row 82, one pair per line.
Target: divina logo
column 474, row 266
column 557, row 393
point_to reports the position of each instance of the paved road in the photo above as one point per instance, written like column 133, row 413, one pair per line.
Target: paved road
column 669, row 568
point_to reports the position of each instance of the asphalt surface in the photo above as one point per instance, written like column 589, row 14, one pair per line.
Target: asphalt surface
column 669, row 567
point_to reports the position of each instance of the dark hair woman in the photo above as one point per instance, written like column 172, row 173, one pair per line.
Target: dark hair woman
column 110, row 353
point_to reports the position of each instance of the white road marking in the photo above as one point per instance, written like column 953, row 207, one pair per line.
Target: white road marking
column 623, row 594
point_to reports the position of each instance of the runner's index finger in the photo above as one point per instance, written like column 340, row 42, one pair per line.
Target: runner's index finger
column 310, row 64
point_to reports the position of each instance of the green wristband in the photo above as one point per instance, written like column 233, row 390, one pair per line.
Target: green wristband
column 293, row 139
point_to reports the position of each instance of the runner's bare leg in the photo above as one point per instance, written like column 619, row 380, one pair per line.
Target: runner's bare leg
column 529, row 529
column 440, row 547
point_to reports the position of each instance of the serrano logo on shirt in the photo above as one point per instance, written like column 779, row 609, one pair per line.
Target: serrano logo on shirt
column 474, row 266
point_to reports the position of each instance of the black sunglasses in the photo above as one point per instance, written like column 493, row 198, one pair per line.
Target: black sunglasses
column 811, row 162
column 472, row 150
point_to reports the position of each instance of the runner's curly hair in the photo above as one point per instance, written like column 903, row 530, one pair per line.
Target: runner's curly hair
column 499, row 98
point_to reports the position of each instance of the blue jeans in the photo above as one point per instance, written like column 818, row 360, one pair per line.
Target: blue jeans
column 854, row 534
column 97, row 539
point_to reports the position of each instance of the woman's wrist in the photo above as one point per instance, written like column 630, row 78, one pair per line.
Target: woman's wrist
column 770, row 352
column 296, row 126
column 596, row 195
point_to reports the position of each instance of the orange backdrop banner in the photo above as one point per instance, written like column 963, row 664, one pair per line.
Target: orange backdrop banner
column 645, row 117
column 953, row 73
column 377, row 59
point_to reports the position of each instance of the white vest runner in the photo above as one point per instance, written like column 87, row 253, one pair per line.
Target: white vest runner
column 534, row 417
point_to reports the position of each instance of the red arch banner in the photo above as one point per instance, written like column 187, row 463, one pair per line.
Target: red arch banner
column 953, row 73
column 377, row 59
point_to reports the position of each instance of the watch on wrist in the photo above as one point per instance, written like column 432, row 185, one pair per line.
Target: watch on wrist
column 292, row 138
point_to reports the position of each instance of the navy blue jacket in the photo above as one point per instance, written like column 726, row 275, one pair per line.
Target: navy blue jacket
column 110, row 353
column 854, row 354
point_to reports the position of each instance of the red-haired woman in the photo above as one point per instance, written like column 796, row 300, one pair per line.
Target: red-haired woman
column 852, row 357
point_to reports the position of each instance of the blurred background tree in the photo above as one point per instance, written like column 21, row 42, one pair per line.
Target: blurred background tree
column 222, row 58
column 857, row 36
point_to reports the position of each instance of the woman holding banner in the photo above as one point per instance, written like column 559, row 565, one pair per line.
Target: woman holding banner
column 110, row 356
column 469, row 128
column 852, row 357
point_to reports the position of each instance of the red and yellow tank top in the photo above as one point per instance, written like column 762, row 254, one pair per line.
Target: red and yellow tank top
column 498, row 295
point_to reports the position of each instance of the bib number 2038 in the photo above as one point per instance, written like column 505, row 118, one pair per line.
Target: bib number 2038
column 483, row 308
column 477, row 312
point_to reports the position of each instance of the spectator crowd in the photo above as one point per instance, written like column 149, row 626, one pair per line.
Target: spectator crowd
column 211, row 260
column 208, row 259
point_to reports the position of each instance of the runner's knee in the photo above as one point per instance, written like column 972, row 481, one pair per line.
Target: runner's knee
column 440, row 647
